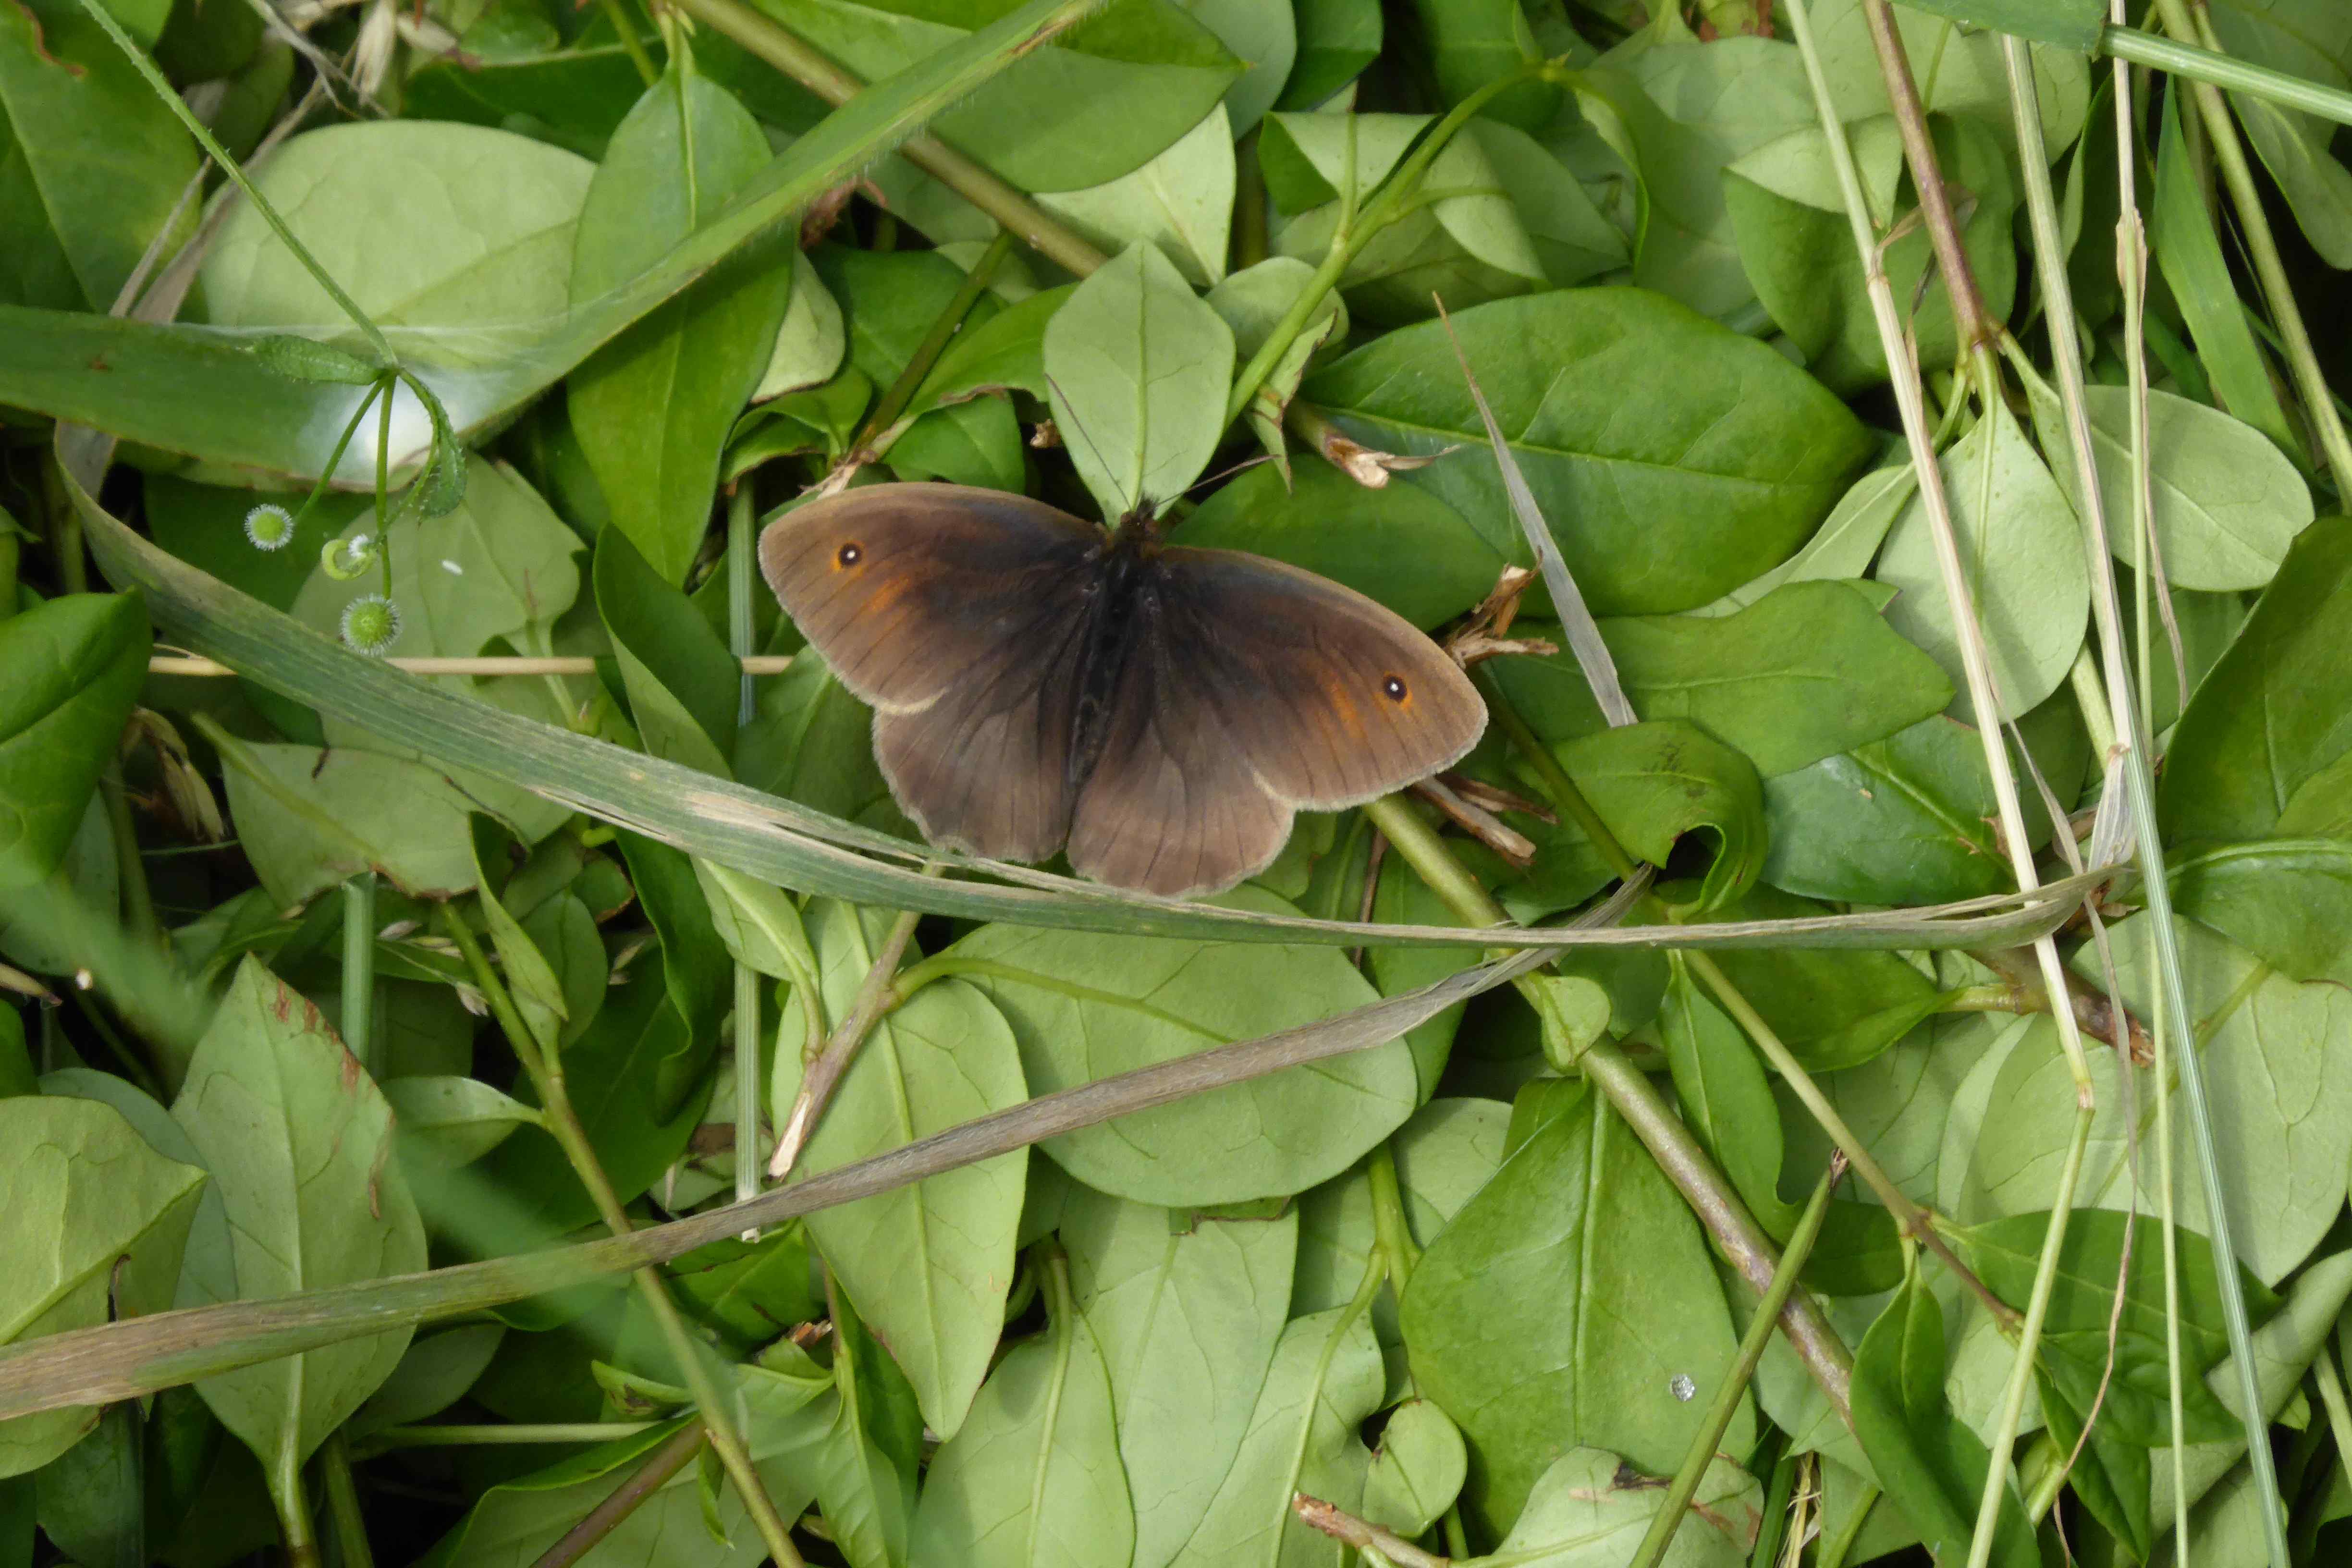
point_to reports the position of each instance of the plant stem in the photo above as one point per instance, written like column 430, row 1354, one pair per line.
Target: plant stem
column 2262, row 247
column 628, row 1497
column 11, row 548
column 2212, row 67
column 1024, row 218
column 875, row 996
column 1390, row 1227
column 359, row 970
column 1377, row 1542
column 927, row 354
column 2050, row 260
column 1975, row 323
column 479, row 1433
column 1631, row 1096
column 138, row 901
column 343, row 1503
column 1734, row 1388
column 625, row 29
column 546, row 1072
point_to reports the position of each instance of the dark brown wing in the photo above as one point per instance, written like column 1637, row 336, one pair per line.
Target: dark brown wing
column 956, row 613
column 1253, row 689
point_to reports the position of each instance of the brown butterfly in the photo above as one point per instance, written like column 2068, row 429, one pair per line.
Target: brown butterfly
column 1038, row 681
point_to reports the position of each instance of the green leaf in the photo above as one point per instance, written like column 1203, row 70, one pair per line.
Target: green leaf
column 1469, row 247
column 2069, row 24
column 1652, row 782
column 2281, row 1116
column 69, row 366
column 75, row 665
column 811, row 742
column 683, row 685
column 1336, row 39
column 1450, row 1149
column 2084, row 1319
column 311, row 819
column 1324, row 1381
column 434, row 1374
column 1186, row 1315
column 82, row 1192
column 1029, row 1480
column 1842, row 547
column 1788, row 217
column 1181, row 202
column 1591, row 1509
column 1724, row 1098
column 95, row 163
column 1806, row 671
column 453, row 1121
column 2229, row 504
column 2189, row 253
column 1417, row 1470
column 2021, row 557
column 1559, row 1307
column 654, row 407
column 2288, row 901
column 206, row 1271
column 1834, row 1010
column 1092, row 105
column 810, row 342
column 2277, row 712
column 1137, row 367
column 501, row 565
column 1907, row 820
column 1471, row 43
column 1931, row 1465
column 1005, row 352
column 929, row 1266
column 1085, row 1007
column 1400, row 545
column 299, row 1140
column 1266, row 38
column 454, row 239
column 1674, row 460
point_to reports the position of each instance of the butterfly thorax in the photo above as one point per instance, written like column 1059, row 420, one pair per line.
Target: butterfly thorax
column 1123, row 597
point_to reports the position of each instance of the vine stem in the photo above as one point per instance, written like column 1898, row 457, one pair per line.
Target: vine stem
column 2133, row 742
column 631, row 45
column 1717, row 1420
column 2262, row 247
column 547, row 1074
column 359, row 970
column 875, row 996
column 1630, row 1094
column 1035, row 228
column 628, row 1497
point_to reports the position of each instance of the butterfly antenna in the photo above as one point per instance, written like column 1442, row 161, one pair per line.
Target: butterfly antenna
column 1228, row 473
column 1078, row 425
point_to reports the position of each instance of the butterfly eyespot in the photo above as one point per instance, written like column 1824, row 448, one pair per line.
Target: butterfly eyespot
column 1393, row 689
column 850, row 555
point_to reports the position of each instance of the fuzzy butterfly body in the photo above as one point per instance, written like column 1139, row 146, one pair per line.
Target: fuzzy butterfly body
column 1162, row 712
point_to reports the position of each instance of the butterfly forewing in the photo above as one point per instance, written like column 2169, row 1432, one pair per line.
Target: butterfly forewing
column 1253, row 689
column 955, row 612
